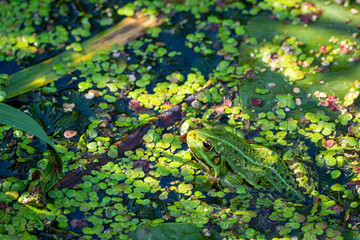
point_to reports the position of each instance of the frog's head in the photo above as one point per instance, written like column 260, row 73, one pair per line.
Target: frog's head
column 204, row 147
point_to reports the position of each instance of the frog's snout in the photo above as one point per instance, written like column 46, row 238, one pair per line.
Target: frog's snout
column 188, row 136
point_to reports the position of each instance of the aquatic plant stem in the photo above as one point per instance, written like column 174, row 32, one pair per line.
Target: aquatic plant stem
column 42, row 73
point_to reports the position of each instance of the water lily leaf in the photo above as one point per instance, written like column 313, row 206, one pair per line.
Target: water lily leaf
column 349, row 234
column 167, row 231
column 338, row 79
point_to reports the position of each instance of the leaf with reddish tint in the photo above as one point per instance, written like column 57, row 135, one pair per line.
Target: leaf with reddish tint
column 256, row 102
column 329, row 143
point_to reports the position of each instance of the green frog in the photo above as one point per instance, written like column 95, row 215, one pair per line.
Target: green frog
column 233, row 160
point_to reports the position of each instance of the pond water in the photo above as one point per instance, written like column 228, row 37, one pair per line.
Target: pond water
column 281, row 74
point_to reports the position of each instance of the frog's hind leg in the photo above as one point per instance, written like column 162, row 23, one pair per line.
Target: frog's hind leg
column 286, row 190
column 303, row 167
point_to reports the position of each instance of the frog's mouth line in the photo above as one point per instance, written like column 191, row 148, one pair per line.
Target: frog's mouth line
column 203, row 165
column 198, row 159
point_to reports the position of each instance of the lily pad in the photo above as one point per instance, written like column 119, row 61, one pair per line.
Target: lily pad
column 167, row 231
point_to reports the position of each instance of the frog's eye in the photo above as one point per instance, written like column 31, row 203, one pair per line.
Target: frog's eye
column 216, row 161
column 207, row 146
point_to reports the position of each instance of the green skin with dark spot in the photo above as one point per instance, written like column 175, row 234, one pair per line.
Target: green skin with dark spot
column 233, row 160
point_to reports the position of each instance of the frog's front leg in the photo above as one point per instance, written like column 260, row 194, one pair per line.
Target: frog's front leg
column 258, row 193
column 235, row 180
column 232, row 180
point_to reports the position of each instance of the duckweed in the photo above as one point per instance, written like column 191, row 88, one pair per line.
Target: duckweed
column 159, row 182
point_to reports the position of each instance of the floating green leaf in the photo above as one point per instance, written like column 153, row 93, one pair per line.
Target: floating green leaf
column 13, row 117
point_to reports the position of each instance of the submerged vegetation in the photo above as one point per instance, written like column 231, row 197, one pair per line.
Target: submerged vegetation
column 281, row 74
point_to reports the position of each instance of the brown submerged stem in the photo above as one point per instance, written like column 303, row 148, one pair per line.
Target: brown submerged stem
column 130, row 142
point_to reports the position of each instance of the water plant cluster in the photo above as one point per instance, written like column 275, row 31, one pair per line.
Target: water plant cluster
column 255, row 68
